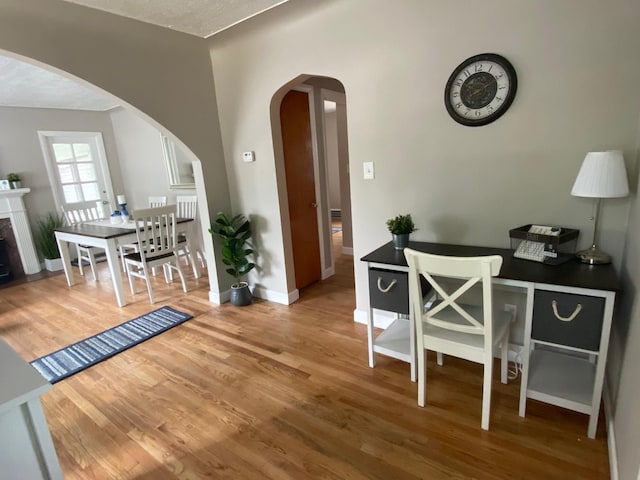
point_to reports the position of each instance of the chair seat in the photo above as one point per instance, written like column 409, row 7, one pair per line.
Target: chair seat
column 501, row 320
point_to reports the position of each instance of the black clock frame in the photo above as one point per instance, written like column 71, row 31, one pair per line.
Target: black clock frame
column 513, row 86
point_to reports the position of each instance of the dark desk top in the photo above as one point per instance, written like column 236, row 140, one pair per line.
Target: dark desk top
column 572, row 273
column 108, row 230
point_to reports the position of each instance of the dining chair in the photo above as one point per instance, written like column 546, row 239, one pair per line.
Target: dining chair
column 78, row 213
column 188, row 208
column 153, row 202
column 156, row 235
column 472, row 331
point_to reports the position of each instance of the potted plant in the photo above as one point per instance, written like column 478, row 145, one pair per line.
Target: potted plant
column 400, row 227
column 14, row 180
column 234, row 233
column 46, row 240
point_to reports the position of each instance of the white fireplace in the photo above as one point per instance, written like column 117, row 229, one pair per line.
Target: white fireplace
column 12, row 207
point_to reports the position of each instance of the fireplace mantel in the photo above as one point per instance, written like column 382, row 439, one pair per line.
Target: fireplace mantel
column 12, row 207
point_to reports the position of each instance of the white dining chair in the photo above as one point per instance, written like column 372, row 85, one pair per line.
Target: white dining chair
column 187, row 207
column 153, row 202
column 156, row 234
column 78, row 213
column 450, row 326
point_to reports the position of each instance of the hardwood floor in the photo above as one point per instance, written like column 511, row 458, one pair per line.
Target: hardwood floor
column 275, row 392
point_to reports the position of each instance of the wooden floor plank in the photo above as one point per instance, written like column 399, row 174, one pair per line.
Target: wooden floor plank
column 271, row 391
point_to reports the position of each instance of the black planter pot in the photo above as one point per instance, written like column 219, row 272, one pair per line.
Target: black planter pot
column 400, row 241
column 240, row 294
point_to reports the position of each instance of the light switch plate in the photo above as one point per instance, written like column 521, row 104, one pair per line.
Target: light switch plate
column 248, row 157
column 369, row 173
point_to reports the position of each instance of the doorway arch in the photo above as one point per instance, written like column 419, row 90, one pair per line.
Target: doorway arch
column 318, row 90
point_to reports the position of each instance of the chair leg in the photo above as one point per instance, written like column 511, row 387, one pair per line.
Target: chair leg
column 132, row 285
column 79, row 255
column 181, row 274
column 92, row 264
column 486, row 390
column 148, row 280
column 422, row 377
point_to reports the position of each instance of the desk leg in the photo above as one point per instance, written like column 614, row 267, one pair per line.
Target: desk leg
column 601, row 365
column 114, row 269
column 63, row 246
column 524, row 380
column 370, row 337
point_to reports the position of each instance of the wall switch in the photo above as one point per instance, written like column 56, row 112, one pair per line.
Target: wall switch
column 369, row 173
column 248, row 157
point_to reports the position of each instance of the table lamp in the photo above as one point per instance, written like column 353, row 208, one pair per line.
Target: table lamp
column 602, row 175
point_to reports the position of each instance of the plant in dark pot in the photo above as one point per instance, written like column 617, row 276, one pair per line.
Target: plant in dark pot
column 234, row 234
column 45, row 239
column 401, row 227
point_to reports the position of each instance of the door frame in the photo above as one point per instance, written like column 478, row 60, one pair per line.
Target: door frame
column 102, row 163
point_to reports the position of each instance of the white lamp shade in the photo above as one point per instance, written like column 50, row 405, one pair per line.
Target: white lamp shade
column 602, row 175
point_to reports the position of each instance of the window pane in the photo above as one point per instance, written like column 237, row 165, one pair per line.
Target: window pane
column 66, row 173
column 87, row 172
column 62, row 152
column 82, row 151
column 90, row 191
column 70, row 194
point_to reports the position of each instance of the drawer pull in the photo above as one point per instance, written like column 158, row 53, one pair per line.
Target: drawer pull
column 385, row 290
column 575, row 313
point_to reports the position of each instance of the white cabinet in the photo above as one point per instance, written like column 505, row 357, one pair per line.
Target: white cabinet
column 26, row 448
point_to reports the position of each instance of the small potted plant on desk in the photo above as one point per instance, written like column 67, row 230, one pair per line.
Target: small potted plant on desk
column 234, row 233
column 401, row 227
column 14, row 180
column 46, row 240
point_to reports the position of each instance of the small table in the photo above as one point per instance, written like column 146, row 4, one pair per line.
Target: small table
column 109, row 236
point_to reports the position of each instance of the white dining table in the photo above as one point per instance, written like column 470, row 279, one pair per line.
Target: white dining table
column 104, row 234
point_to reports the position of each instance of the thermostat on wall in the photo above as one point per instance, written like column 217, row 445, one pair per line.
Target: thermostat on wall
column 248, row 157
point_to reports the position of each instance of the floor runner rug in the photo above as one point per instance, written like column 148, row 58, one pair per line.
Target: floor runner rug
column 80, row 355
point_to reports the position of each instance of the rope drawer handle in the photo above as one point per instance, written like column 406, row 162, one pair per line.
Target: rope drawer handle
column 575, row 313
column 385, row 290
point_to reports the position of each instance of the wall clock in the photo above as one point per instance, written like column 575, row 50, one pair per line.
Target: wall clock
column 480, row 89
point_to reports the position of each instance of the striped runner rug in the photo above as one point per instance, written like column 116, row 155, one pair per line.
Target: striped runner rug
column 80, row 355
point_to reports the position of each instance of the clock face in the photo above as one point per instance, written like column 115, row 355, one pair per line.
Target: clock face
column 480, row 89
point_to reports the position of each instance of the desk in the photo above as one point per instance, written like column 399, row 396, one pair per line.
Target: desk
column 26, row 447
column 109, row 237
column 565, row 375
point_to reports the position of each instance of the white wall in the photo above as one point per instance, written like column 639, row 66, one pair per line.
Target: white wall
column 461, row 184
column 577, row 67
column 20, row 149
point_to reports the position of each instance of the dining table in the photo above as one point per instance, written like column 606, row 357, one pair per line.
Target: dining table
column 109, row 236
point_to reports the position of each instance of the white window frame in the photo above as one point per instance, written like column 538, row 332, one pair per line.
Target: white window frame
column 101, row 162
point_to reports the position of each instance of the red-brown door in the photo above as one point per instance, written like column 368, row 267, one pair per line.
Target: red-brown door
column 298, row 159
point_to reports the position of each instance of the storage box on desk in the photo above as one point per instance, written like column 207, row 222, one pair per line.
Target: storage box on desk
column 552, row 249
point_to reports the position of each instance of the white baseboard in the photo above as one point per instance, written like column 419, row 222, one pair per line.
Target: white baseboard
column 347, row 250
column 219, row 297
column 611, row 436
column 327, row 272
column 270, row 295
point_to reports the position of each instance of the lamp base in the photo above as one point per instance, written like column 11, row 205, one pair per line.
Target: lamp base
column 593, row 256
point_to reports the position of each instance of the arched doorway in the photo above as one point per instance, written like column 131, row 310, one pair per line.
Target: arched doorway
column 307, row 140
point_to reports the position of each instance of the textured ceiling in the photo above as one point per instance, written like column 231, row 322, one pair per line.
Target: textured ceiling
column 197, row 17
column 25, row 85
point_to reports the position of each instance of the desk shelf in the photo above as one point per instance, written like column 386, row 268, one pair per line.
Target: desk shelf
column 561, row 379
column 395, row 340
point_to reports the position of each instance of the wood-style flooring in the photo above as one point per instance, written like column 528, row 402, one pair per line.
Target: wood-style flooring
column 275, row 392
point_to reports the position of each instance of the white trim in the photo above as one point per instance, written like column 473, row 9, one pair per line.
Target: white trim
column 347, row 250
column 328, row 272
column 278, row 297
column 102, row 162
column 219, row 297
column 611, row 436
column 12, row 207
